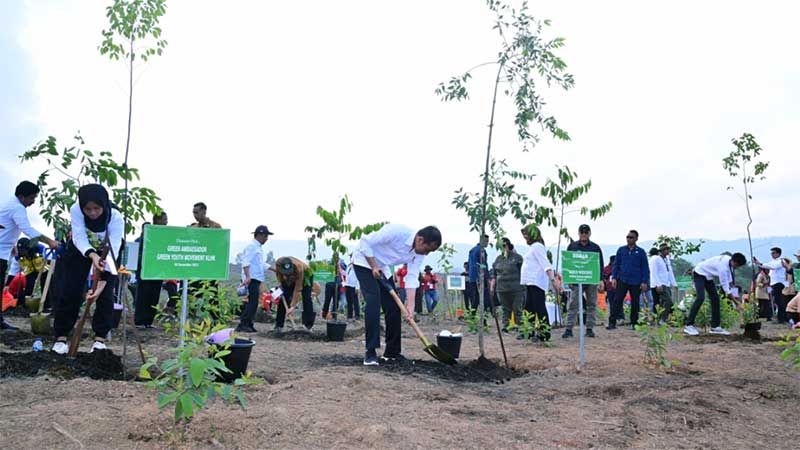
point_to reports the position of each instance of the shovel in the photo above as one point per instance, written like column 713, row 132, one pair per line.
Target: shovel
column 40, row 323
column 78, row 330
column 430, row 349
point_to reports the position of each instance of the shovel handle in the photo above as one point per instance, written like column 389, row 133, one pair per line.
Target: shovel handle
column 400, row 305
column 46, row 288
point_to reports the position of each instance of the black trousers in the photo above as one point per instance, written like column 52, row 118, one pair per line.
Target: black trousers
column 765, row 308
column 377, row 298
column 249, row 312
column 147, row 296
column 353, row 306
column 780, row 302
column 535, row 303
column 172, row 293
column 331, row 293
column 619, row 300
column 419, row 299
column 475, row 299
column 74, row 268
column 701, row 286
column 308, row 305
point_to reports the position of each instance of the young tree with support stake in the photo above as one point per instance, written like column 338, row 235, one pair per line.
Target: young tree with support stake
column 525, row 61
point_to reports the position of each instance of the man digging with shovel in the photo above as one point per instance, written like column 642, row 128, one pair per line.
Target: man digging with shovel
column 391, row 245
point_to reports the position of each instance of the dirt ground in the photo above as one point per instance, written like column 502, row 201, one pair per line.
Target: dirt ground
column 726, row 393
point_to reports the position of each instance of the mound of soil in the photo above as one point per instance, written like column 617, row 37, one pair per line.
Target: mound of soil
column 314, row 336
column 99, row 365
column 480, row 370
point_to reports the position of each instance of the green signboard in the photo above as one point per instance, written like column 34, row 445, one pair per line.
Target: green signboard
column 580, row 267
column 684, row 282
column 179, row 253
column 797, row 279
column 323, row 276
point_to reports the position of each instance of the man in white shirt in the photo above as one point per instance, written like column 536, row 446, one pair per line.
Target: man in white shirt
column 777, row 280
column 13, row 222
column 254, row 269
column 662, row 279
column 721, row 267
column 391, row 245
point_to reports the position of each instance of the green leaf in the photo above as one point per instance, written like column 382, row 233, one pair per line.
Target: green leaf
column 197, row 369
column 186, row 404
column 165, row 399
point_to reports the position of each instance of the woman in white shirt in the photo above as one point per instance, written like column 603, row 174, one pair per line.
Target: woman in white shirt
column 535, row 273
column 94, row 224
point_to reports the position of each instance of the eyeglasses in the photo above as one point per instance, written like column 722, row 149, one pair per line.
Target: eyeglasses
column 630, row 237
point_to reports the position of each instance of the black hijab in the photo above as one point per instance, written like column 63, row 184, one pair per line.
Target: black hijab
column 97, row 194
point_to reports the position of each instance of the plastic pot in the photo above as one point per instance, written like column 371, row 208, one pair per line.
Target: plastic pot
column 237, row 359
column 336, row 329
column 450, row 344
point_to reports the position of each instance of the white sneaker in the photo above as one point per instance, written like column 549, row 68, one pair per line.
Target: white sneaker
column 691, row 330
column 98, row 346
column 720, row 330
column 61, row 348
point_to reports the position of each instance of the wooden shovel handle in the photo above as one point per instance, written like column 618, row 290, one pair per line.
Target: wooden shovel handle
column 46, row 288
column 410, row 321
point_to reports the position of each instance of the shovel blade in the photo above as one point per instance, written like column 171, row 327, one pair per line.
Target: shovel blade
column 440, row 355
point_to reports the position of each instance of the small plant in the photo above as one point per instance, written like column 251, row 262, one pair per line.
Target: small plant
column 527, row 325
column 655, row 339
column 602, row 315
column 729, row 316
column 471, row 318
column 791, row 345
column 749, row 313
column 541, row 326
column 678, row 317
column 626, row 311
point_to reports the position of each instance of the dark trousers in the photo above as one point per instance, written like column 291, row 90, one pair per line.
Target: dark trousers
column 353, row 307
column 74, row 269
column 535, row 304
column 475, row 299
column 617, row 307
column 780, row 302
column 148, row 293
column 172, row 293
column 765, row 308
column 418, row 300
column 377, row 298
column 664, row 300
column 701, row 286
column 250, row 309
column 308, row 305
column 3, row 270
column 331, row 294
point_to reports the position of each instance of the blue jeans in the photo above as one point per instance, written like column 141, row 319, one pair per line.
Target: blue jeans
column 431, row 299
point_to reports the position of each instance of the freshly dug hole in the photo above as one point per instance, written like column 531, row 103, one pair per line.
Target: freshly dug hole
column 99, row 365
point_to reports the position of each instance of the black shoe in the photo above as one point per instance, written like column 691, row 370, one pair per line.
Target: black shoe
column 246, row 329
column 393, row 358
column 567, row 333
column 371, row 358
column 589, row 333
column 7, row 326
column 611, row 327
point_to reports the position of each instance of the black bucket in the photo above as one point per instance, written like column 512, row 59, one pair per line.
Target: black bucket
column 751, row 330
column 450, row 344
column 237, row 359
column 336, row 329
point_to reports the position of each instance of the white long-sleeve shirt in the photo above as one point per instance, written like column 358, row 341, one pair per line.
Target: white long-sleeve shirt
column 253, row 257
column 777, row 273
column 661, row 273
column 350, row 279
column 535, row 266
column 717, row 266
column 14, row 220
column 392, row 245
column 81, row 239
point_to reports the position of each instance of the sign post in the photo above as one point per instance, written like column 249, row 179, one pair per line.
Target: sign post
column 170, row 253
column 580, row 268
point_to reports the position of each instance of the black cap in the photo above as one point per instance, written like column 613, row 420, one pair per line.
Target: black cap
column 262, row 229
column 285, row 265
column 584, row 229
column 428, row 268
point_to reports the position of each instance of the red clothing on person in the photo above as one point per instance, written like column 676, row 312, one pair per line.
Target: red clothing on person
column 401, row 277
column 17, row 285
column 429, row 281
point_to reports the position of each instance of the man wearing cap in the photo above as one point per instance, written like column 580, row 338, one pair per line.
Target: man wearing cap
column 662, row 280
column 583, row 244
column 296, row 280
column 429, row 282
column 254, row 269
column 13, row 222
column 391, row 245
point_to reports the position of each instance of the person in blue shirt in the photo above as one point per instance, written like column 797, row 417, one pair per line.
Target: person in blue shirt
column 631, row 274
column 474, row 263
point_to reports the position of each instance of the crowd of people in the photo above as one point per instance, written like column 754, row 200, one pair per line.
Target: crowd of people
column 516, row 282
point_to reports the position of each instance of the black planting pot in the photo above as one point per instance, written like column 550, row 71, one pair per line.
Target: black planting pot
column 450, row 344
column 336, row 329
column 237, row 359
column 751, row 330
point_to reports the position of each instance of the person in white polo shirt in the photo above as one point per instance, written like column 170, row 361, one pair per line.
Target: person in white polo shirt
column 777, row 280
column 662, row 279
column 721, row 267
column 391, row 245
column 254, row 268
column 13, row 222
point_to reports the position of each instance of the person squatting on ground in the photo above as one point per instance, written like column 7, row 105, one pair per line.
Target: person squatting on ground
column 391, row 245
column 297, row 281
column 255, row 270
column 583, row 244
column 534, row 275
column 631, row 275
column 722, row 267
column 95, row 223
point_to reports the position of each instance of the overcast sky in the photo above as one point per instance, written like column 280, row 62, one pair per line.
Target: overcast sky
column 266, row 109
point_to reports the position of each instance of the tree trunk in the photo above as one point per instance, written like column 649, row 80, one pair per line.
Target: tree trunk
column 749, row 219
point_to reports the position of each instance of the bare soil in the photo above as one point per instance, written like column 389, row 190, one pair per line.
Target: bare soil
column 725, row 393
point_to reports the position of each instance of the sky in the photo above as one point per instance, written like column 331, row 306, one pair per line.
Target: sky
column 264, row 110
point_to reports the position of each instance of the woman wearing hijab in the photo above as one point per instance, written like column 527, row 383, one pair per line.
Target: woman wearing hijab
column 536, row 274
column 94, row 224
